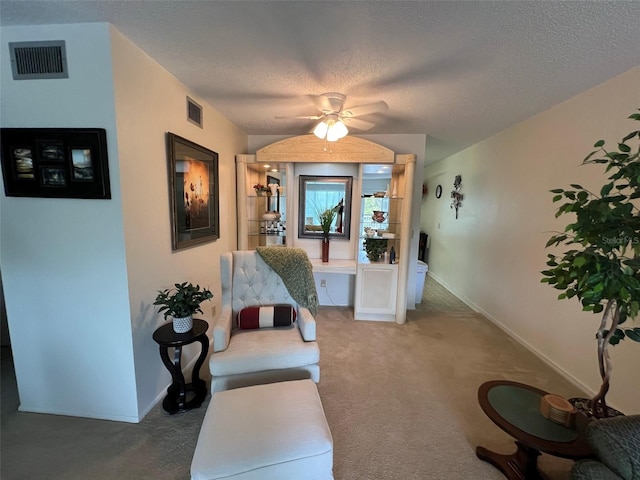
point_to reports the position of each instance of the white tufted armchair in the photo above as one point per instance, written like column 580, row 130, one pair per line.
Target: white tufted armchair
column 248, row 357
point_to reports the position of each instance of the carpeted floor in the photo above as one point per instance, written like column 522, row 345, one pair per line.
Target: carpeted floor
column 436, row 298
column 400, row 401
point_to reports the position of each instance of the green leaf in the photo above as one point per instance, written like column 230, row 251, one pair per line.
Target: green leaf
column 557, row 190
column 556, row 198
column 606, row 189
column 624, row 147
column 633, row 334
column 634, row 263
column 598, row 144
column 579, row 261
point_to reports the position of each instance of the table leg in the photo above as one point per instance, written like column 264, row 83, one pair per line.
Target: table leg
column 198, row 385
column 520, row 465
column 176, row 393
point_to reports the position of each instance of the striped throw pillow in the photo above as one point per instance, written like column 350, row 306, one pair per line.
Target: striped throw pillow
column 266, row 316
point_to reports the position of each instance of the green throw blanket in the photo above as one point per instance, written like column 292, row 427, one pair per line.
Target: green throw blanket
column 294, row 267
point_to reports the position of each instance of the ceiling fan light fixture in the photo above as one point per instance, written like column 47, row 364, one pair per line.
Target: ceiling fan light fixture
column 331, row 128
column 321, row 130
column 336, row 131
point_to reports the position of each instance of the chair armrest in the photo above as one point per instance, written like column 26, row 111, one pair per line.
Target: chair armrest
column 590, row 469
column 614, row 440
column 306, row 324
column 222, row 330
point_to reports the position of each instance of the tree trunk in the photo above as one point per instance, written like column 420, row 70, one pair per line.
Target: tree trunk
column 611, row 314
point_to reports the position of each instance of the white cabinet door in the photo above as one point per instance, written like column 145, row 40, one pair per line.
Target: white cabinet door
column 376, row 291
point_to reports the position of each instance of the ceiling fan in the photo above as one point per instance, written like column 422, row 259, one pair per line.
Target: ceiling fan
column 334, row 118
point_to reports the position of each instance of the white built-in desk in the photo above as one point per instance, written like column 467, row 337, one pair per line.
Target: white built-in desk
column 347, row 267
column 335, row 281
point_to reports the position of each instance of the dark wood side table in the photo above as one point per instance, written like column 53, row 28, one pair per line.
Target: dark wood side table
column 515, row 408
column 182, row 396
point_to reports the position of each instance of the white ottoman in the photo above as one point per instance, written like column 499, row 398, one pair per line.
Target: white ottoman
column 276, row 431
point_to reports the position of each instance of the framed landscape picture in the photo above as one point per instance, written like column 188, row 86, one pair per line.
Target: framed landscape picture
column 193, row 193
column 55, row 162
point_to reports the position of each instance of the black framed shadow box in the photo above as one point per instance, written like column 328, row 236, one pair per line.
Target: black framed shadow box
column 55, row 162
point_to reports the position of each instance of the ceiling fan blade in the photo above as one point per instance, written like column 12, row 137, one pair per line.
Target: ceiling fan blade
column 322, row 103
column 366, row 109
column 306, row 117
column 329, row 102
column 357, row 123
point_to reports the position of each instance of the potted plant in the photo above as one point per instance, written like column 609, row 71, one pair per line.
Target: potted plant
column 261, row 189
column 181, row 302
column 375, row 247
column 326, row 218
column 602, row 266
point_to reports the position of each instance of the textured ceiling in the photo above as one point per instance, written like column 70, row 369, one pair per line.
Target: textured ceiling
column 458, row 71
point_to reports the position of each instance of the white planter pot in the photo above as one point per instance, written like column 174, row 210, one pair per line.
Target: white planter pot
column 182, row 325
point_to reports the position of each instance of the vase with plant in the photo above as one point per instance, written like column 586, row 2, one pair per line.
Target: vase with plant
column 262, row 190
column 181, row 302
column 602, row 267
column 326, row 218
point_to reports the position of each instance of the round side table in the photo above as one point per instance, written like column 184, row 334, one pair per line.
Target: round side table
column 182, row 396
column 515, row 408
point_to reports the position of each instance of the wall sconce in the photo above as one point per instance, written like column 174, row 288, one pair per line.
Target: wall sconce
column 331, row 128
column 456, row 195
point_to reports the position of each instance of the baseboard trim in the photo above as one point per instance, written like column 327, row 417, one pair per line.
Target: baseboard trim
column 574, row 381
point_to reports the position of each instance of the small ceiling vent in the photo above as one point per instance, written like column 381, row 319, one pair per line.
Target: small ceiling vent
column 38, row 60
column 194, row 112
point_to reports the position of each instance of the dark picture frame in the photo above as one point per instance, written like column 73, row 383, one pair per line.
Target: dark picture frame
column 193, row 193
column 55, row 162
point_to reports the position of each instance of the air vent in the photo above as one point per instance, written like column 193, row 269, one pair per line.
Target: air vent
column 38, row 60
column 194, row 112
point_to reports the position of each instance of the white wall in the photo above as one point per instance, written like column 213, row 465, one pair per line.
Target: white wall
column 493, row 254
column 63, row 260
column 82, row 341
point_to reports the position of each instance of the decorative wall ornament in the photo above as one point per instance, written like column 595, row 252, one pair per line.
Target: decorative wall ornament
column 456, row 195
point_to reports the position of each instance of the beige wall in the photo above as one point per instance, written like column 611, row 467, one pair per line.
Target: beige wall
column 493, row 254
column 149, row 102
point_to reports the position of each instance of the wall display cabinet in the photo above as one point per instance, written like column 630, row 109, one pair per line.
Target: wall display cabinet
column 262, row 219
column 266, row 220
column 381, row 233
column 379, row 210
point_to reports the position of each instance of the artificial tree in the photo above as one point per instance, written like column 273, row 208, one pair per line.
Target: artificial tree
column 602, row 268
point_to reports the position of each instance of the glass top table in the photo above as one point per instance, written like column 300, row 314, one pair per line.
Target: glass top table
column 515, row 408
column 520, row 407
